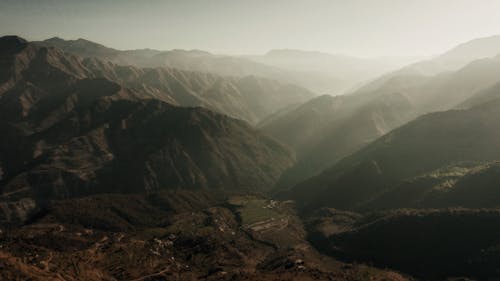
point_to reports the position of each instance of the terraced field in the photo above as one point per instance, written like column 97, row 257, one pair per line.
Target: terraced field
column 253, row 210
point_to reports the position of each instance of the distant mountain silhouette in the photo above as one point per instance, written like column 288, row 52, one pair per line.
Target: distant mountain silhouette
column 452, row 60
column 490, row 94
column 189, row 60
column 247, row 97
column 318, row 72
column 345, row 72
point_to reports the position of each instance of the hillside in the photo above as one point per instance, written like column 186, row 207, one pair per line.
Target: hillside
column 233, row 140
column 249, row 98
column 320, row 73
column 190, row 60
column 67, row 135
column 348, row 72
column 443, row 91
column 86, row 48
column 457, row 57
column 484, row 96
column 452, row 60
column 325, row 129
column 441, row 159
column 428, row 244
column 197, row 61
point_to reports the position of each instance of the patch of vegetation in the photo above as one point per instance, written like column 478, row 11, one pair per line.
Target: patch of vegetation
column 252, row 209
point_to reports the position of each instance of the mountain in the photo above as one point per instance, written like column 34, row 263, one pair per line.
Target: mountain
column 439, row 160
column 196, row 60
column 320, row 73
column 249, row 98
column 68, row 132
column 445, row 90
column 460, row 55
column 325, row 129
column 431, row 244
column 452, row 60
column 347, row 72
column 85, row 48
column 481, row 97
column 110, row 170
column 188, row 60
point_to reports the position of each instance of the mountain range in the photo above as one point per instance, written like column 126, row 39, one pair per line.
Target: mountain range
column 185, row 165
column 442, row 159
column 249, row 98
column 320, row 73
column 326, row 129
column 78, row 133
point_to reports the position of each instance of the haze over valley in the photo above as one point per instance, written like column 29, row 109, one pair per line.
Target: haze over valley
column 283, row 140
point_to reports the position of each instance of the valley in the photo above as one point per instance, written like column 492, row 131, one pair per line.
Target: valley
column 249, row 141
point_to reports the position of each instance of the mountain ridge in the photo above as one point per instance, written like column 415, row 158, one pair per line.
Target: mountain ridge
column 387, row 166
column 69, row 132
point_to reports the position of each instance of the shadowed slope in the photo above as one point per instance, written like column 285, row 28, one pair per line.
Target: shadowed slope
column 67, row 133
column 423, row 161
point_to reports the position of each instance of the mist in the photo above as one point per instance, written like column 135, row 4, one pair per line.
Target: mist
column 238, row 140
column 357, row 28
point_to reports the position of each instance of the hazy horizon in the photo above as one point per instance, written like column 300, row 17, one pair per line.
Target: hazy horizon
column 357, row 28
column 379, row 162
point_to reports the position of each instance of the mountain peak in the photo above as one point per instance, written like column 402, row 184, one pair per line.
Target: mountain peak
column 474, row 49
column 78, row 43
column 277, row 53
column 12, row 43
column 192, row 52
column 54, row 39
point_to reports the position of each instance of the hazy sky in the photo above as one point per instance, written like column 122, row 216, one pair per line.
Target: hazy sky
column 356, row 27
